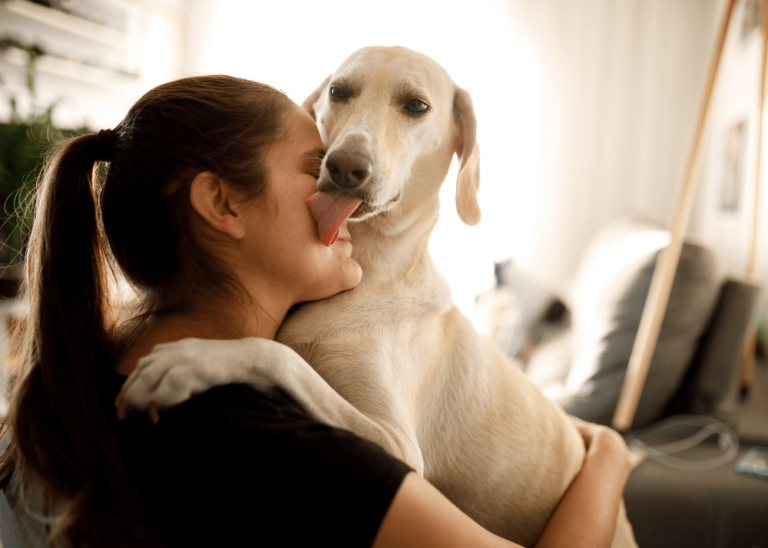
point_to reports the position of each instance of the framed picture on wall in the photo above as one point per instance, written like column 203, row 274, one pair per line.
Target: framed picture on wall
column 733, row 167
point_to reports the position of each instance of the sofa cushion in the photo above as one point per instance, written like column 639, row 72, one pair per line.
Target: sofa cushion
column 715, row 365
column 609, row 293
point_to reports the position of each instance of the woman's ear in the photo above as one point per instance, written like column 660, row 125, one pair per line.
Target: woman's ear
column 212, row 198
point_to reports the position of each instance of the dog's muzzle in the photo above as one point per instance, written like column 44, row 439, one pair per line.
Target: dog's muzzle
column 349, row 170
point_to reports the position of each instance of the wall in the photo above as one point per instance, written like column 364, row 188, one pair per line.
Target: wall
column 585, row 107
column 624, row 80
column 100, row 58
column 726, row 227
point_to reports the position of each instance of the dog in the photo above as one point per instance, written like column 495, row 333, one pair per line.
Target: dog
column 394, row 360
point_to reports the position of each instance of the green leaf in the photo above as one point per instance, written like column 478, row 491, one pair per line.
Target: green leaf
column 23, row 146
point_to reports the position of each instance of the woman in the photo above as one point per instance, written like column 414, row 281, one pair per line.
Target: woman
column 203, row 211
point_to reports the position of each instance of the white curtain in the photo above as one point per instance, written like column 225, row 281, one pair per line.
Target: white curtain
column 624, row 80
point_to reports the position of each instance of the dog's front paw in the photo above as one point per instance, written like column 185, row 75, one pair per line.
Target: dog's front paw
column 173, row 373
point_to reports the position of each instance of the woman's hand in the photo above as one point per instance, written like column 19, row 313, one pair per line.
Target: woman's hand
column 586, row 516
column 605, row 445
column 586, row 429
column 587, row 513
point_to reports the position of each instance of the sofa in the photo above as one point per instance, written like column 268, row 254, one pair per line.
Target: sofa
column 576, row 346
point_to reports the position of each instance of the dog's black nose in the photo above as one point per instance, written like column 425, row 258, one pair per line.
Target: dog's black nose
column 348, row 169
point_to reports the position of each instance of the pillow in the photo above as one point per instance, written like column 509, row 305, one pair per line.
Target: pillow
column 715, row 365
column 609, row 293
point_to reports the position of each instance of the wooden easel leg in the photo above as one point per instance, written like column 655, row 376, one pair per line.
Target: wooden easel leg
column 666, row 265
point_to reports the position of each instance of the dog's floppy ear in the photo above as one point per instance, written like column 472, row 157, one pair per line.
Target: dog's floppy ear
column 312, row 103
column 469, row 157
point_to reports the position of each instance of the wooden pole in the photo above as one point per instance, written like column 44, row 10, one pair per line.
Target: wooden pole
column 748, row 354
column 666, row 265
column 752, row 258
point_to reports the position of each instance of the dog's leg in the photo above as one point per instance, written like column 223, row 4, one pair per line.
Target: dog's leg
column 174, row 372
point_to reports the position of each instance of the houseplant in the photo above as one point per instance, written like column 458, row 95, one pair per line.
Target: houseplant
column 24, row 141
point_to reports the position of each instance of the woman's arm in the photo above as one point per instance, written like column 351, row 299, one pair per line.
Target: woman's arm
column 421, row 516
column 586, row 515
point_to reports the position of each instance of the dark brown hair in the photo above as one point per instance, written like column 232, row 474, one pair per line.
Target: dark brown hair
column 137, row 220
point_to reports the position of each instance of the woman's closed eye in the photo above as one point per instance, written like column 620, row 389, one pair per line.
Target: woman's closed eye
column 312, row 162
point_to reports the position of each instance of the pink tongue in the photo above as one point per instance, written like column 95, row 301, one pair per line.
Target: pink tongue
column 330, row 211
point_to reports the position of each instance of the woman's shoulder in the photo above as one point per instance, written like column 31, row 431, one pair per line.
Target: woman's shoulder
column 237, row 419
column 205, row 455
column 221, row 403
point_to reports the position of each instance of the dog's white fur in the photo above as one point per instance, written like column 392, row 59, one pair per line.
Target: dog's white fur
column 421, row 382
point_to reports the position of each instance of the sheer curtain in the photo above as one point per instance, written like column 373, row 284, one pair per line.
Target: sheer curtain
column 624, row 81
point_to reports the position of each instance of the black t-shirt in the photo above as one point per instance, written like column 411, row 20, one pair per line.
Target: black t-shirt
column 235, row 467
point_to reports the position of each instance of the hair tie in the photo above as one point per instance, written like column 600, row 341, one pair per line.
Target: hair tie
column 106, row 145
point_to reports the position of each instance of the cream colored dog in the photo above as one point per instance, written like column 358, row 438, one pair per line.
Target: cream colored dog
column 407, row 369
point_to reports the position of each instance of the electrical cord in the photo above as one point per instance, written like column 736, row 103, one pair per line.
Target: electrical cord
column 727, row 440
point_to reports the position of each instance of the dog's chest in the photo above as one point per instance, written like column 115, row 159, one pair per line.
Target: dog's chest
column 379, row 335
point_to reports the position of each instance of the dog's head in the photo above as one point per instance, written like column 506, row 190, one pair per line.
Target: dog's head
column 390, row 117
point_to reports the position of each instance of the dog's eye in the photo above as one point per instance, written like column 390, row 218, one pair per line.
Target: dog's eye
column 416, row 106
column 337, row 93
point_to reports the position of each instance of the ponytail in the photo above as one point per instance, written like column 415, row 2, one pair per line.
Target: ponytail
column 137, row 218
column 63, row 438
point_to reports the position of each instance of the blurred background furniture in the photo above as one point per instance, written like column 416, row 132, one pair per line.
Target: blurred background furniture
column 579, row 360
column 606, row 304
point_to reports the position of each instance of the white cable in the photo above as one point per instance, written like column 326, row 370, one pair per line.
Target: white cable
column 727, row 439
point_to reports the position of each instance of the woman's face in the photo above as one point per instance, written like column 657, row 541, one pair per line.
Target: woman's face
column 282, row 237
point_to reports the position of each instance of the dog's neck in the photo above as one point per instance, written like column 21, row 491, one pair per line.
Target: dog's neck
column 391, row 245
